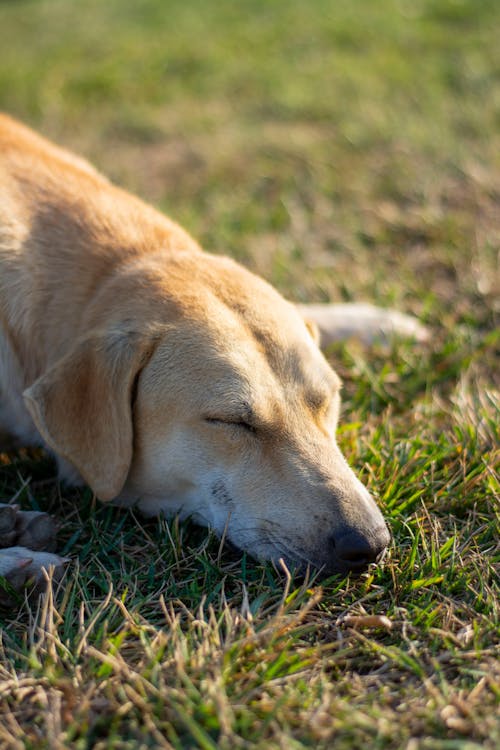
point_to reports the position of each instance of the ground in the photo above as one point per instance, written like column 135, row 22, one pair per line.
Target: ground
column 343, row 150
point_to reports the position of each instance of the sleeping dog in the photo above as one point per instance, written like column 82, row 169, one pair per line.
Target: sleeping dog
column 167, row 378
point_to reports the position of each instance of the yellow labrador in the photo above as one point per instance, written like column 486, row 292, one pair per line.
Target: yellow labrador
column 167, row 378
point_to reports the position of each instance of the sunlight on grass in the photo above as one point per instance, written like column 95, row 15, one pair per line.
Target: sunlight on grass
column 345, row 150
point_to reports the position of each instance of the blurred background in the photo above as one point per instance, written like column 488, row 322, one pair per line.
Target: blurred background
column 343, row 149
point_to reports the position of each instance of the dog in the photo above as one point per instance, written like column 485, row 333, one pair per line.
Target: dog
column 167, row 378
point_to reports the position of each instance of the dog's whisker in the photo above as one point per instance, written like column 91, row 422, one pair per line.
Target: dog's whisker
column 292, row 552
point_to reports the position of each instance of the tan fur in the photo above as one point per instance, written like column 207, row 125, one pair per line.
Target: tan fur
column 163, row 376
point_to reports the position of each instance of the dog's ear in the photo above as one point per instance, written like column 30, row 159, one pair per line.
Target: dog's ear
column 82, row 406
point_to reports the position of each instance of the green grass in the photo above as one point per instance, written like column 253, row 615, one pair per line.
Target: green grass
column 343, row 150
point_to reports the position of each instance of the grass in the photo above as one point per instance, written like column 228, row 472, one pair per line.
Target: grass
column 343, row 151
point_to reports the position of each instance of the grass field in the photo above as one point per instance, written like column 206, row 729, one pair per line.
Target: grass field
column 343, row 150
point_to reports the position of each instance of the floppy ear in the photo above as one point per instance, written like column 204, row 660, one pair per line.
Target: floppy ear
column 82, row 406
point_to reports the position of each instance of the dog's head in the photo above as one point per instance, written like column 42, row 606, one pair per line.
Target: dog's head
column 208, row 396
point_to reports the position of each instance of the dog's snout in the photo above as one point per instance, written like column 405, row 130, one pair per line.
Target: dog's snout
column 355, row 550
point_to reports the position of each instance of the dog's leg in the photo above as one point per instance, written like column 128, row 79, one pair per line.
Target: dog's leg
column 26, row 541
column 29, row 528
column 22, row 568
column 367, row 323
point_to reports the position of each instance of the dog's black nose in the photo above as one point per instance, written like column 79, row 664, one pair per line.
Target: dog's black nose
column 356, row 550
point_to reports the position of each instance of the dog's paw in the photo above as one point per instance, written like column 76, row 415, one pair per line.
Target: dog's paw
column 28, row 528
column 22, row 568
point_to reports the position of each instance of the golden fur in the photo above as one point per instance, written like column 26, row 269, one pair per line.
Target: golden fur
column 163, row 376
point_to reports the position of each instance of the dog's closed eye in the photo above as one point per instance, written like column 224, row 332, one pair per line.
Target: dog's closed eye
column 231, row 422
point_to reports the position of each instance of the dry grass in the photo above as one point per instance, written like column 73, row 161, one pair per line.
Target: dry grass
column 344, row 151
